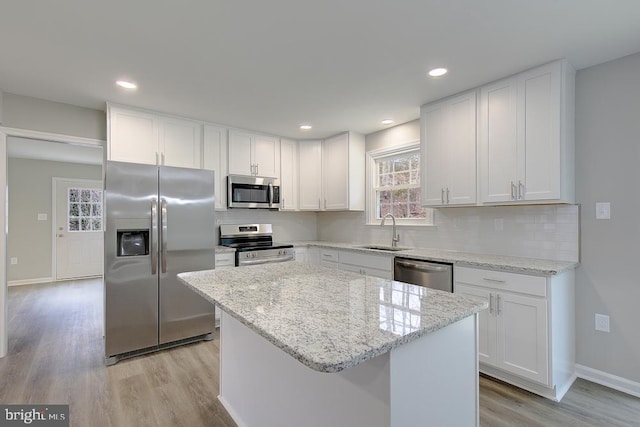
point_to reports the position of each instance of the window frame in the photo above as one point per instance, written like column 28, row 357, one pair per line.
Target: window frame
column 371, row 174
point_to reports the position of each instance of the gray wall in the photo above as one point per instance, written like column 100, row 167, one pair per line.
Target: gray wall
column 30, row 240
column 24, row 112
column 608, row 170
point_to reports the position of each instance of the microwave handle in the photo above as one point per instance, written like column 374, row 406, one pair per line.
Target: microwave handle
column 270, row 195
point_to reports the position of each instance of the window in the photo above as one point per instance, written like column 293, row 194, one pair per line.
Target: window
column 393, row 175
column 84, row 209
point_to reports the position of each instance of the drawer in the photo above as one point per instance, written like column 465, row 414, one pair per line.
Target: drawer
column 329, row 254
column 501, row 280
column 328, row 264
column 367, row 271
column 380, row 262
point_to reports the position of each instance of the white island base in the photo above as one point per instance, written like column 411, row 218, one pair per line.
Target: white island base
column 431, row 381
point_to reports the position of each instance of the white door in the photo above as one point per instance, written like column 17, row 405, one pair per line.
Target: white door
column 79, row 236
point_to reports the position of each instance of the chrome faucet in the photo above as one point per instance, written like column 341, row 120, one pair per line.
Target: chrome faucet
column 395, row 237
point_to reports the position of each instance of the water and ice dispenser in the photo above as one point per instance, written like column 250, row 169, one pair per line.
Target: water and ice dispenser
column 132, row 237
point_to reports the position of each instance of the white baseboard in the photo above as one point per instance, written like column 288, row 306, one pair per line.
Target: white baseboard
column 608, row 380
column 30, row 281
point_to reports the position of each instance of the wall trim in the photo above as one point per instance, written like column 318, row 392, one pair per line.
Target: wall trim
column 33, row 281
column 608, row 380
column 47, row 136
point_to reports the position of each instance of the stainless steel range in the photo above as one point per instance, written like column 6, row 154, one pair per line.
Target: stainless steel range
column 254, row 244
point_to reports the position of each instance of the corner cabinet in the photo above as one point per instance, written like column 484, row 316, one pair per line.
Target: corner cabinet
column 288, row 175
column 214, row 157
column 526, row 137
column 137, row 136
column 253, row 154
column 343, row 172
column 332, row 173
column 310, row 175
column 448, row 151
column 527, row 336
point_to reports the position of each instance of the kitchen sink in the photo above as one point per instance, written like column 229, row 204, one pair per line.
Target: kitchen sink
column 384, row 248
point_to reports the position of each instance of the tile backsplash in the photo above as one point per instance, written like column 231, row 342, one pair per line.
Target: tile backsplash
column 545, row 231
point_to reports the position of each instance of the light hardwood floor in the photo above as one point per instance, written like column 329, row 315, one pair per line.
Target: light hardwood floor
column 56, row 355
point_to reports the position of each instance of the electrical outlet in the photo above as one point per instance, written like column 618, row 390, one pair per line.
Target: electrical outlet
column 14, row 260
column 603, row 210
column 602, row 322
column 42, row 217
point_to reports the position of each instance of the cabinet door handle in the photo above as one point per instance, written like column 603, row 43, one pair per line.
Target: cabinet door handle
column 325, row 203
column 491, row 303
column 257, row 169
column 157, row 159
column 442, row 195
column 493, row 280
column 318, row 203
column 498, row 304
column 520, row 190
column 513, row 191
column 447, row 195
column 162, row 157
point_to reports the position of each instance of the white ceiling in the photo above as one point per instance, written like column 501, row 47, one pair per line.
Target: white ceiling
column 26, row 148
column 273, row 65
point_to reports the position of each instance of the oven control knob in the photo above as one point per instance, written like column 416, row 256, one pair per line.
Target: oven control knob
column 280, row 252
column 254, row 255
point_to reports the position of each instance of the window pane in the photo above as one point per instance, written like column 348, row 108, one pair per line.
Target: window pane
column 84, row 210
column 400, row 210
column 401, row 178
column 395, row 172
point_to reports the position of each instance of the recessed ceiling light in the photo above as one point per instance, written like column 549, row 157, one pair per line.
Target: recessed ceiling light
column 437, row 72
column 386, row 121
column 305, row 127
column 126, row 84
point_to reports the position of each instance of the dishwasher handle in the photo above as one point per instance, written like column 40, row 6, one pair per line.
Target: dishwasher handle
column 423, row 266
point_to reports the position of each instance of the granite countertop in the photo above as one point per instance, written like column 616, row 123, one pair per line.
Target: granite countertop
column 328, row 319
column 533, row 266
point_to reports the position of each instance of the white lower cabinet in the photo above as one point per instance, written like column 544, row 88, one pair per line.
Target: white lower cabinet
column 225, row 259
column 347, row 260
column 301, row 255
column 367, row 264
column 526, row 337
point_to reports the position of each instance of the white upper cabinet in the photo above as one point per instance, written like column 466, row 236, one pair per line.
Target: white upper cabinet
column 150, row 138
column 253, row 154
column 288, row 175
column 526, row 137
column 133, row 136
column 310, row 175
column 343, row 172
column 180, row 143
column 215, row 158
column 448, row 151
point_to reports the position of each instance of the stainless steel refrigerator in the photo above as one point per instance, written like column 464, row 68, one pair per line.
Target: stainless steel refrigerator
column 159, row 222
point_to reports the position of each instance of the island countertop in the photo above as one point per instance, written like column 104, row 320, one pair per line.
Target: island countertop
column 327, row 319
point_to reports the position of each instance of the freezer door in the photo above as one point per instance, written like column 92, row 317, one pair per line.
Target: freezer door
column 130, row 273
column 187, row 243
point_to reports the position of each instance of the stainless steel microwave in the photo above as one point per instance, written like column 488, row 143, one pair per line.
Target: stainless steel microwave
column 254, row 192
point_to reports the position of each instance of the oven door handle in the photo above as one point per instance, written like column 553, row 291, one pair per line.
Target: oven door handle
column 266, row 261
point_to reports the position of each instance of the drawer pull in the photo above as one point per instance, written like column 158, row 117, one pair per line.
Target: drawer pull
column 493, row 280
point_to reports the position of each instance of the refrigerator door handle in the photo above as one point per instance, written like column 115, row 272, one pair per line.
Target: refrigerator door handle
column 154, row 236
column 163, row 237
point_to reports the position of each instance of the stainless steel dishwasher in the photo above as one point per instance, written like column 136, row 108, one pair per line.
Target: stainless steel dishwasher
column 435, row 275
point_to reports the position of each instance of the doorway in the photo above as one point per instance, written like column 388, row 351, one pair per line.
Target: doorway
column 77, row 228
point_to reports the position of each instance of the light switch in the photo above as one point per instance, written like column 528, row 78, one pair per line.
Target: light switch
column 42, row 217
column 14, row 260
column 603, row 210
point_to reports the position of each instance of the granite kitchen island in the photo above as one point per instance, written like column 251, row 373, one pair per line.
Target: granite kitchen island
column 307, row 345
